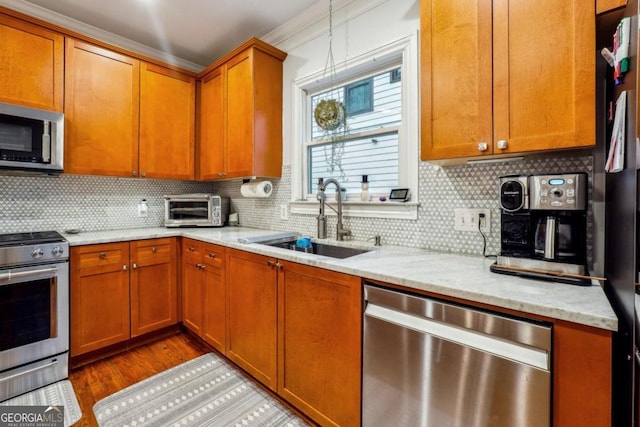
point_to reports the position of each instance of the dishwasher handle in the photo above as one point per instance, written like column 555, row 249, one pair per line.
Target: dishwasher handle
column 536, row 357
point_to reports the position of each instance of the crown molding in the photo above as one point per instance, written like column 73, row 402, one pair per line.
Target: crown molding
column 98, row 34
column 305, row 26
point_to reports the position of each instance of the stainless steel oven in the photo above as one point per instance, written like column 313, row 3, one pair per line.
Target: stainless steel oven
column 34, row 311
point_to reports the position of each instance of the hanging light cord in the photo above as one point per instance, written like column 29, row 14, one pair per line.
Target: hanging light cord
column 329, row 63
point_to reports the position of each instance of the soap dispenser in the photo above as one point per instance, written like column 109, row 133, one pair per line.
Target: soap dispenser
column 364, row 194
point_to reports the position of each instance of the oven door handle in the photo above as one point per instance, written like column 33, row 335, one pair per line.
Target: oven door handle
column 9, row 276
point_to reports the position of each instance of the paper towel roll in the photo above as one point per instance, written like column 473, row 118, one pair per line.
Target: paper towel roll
column 256, row 189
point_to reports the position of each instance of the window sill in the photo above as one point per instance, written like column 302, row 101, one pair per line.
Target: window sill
column 374, row 209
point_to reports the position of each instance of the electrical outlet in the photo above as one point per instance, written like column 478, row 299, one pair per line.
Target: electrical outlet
column 143, row 209
column 284, row 212
column 467, row 220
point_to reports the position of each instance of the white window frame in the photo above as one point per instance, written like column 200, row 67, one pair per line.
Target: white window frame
column 406, row 51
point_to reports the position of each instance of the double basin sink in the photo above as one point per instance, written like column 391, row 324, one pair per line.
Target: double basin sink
column 323, row 249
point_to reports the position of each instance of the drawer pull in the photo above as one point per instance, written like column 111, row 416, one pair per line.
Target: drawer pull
column 271, row 263
column 103, row 255
column 125, row 267
column 134, row 265
column 212, row 255
column 154, row 249
column 279, row 266
column 191, row 248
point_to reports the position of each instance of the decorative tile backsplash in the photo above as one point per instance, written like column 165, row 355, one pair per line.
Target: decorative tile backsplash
column 441, row 190
column 103, row 203
column 84, row 202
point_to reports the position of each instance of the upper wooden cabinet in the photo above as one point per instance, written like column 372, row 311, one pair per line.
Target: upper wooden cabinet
column 101, row 111
column 31, row 65
column 126, row 118
column 506, row 77
column 167, row 123
column 240, row 114
column 603, row 6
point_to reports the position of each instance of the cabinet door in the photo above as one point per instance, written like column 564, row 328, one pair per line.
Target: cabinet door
column 456, row 79
column 214, row 316
column 167, row 117
column 240, row 116
column 211, row 124
column 319, row 340
column 544, row 74
column 153, row 285
column 99, row 296
column 252, row 314
column 32, row 61
column 102, row 94
column 192, row 286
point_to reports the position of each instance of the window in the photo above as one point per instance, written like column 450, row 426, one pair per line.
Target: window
column 379, row 92
column 367, row 142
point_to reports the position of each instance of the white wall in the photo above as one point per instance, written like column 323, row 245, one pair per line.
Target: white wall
column 359, row 27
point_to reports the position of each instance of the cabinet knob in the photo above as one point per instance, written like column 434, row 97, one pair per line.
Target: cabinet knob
column 212, row 255
column 134, row 265
column 502, row 144
column 103, row 255
column 483, row 146
column 134, row 173
column 279, row 266
column 222, row 174
column 191, row 249
column 125, row 267
column 271, row 263
column 143, row 174
column 154, row 249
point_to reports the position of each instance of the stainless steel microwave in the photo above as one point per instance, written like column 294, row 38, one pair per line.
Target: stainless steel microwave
column 31, row 140
column 195, row 210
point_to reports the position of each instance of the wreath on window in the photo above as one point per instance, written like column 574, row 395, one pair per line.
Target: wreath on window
column 330, row 114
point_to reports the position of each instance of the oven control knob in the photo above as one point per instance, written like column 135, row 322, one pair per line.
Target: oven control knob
column 57, row 251
column 37, row 253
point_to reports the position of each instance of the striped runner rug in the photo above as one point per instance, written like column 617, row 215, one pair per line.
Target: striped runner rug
column 206, row 391
column 56, row 394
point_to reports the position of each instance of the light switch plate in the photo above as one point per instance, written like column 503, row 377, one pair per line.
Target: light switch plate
column 467, row 220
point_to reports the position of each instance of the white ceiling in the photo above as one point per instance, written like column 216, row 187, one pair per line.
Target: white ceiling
column 199, row 31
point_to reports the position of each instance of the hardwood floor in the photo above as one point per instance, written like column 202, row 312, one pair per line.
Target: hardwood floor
column 100, row 379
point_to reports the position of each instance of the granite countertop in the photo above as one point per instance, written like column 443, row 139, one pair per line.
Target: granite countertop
column 453, row 275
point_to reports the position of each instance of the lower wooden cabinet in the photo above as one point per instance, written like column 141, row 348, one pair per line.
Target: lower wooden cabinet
column 99, row 296
column 204, row 291
column 153, row 281
column 252, row 299
column 120, row 291
column 319, row 343
column 297, row 329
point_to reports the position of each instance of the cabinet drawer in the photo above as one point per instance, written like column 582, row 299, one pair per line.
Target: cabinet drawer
column 191, row 248
column 213, row 256
column 99, row 255
column 152, row 252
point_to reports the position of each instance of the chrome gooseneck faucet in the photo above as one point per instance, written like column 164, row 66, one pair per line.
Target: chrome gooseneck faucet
column 341, row 232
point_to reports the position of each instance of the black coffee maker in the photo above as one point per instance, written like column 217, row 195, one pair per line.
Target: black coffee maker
column 543, row 227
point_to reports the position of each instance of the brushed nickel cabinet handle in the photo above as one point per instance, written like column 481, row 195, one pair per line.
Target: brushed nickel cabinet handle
column 154, row 249
column 279, row 266
column 483, row 146
column 502, row 144
column 125, row 267
column 134, row 265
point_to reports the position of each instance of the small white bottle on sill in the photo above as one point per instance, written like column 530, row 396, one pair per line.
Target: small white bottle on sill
column 364, row 194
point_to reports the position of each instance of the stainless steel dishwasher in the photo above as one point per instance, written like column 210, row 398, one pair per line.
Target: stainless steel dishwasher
column 435, row 364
